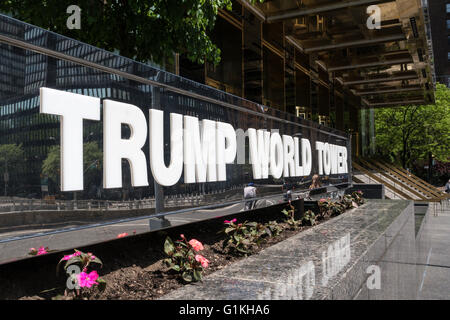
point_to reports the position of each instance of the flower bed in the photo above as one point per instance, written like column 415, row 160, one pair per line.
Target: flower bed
column 152, row 269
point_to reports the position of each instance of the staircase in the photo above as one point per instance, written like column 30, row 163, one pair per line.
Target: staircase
column 398, row 183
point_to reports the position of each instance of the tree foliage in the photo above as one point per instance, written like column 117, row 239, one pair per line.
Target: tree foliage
column 92, row 161
column 139, row 29
column 12, row 162
column 51, row 164
column 408, row 133
column 11, row 155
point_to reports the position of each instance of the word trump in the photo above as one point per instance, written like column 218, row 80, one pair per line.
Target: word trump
column 199, row 149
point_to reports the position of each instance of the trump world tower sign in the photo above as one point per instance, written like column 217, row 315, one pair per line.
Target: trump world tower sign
column 167, row 149
column 201, row 148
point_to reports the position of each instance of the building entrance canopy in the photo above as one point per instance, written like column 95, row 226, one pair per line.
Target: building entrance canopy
column 378, row 49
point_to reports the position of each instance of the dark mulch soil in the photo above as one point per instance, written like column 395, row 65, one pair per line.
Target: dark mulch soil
column 133, row 267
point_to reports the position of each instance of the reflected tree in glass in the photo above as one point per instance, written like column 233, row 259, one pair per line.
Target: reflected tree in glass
column 92, row 163
column 11, row 161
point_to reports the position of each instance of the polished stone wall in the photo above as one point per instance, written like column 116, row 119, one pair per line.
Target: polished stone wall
column 366, row 253
column 423, row 244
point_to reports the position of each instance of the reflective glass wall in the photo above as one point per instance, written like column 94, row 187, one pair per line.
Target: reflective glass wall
column 36, row 212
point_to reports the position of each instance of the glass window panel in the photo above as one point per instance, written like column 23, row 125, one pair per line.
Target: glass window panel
column 273, row 80
column 227, row 75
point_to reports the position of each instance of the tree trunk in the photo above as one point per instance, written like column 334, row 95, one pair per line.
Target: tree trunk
column 404, row 151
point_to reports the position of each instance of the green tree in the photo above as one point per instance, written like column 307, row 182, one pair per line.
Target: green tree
column 11, row 161
column 92, row 163
column 139, row 29
column 409, row 133
column 51, row 164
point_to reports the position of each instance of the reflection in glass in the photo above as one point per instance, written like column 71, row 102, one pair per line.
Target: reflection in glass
column 29, row 141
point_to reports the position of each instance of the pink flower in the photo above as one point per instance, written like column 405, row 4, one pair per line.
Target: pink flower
column 42, row 250
column 204, row 262
column 77, row 253
column 228, row 222
column 322, row 200
column 121, row 235
column 68, row 257
column 197, row 245
column 87, row 280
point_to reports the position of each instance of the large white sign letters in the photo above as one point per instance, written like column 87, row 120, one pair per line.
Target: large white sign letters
column 199, row 149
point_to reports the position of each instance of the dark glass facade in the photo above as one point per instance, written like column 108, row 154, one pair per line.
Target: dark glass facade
column 439, row 18
column 260, row 64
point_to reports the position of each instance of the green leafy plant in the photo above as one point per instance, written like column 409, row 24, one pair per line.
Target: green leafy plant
column 347, row 201
column 357, row 197
column 184, row 258
column 309, row 218
column 336, row 208
column 259, row 232
column 242, row 237
column 273, row 229
column 289, row 217
column 324, row 208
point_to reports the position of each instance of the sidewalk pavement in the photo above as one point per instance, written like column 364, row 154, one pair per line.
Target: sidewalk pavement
column 435, row 282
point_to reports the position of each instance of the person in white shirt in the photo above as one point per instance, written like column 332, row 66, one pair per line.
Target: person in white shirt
column 249, row 192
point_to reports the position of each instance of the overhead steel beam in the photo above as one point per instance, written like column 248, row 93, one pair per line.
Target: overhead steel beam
column 389, row 79
column 371, row 64
column 399, row 103
column 331, row 7
column 396, row 37
column 253, row 9
column 292, row 41
column 387, row 91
